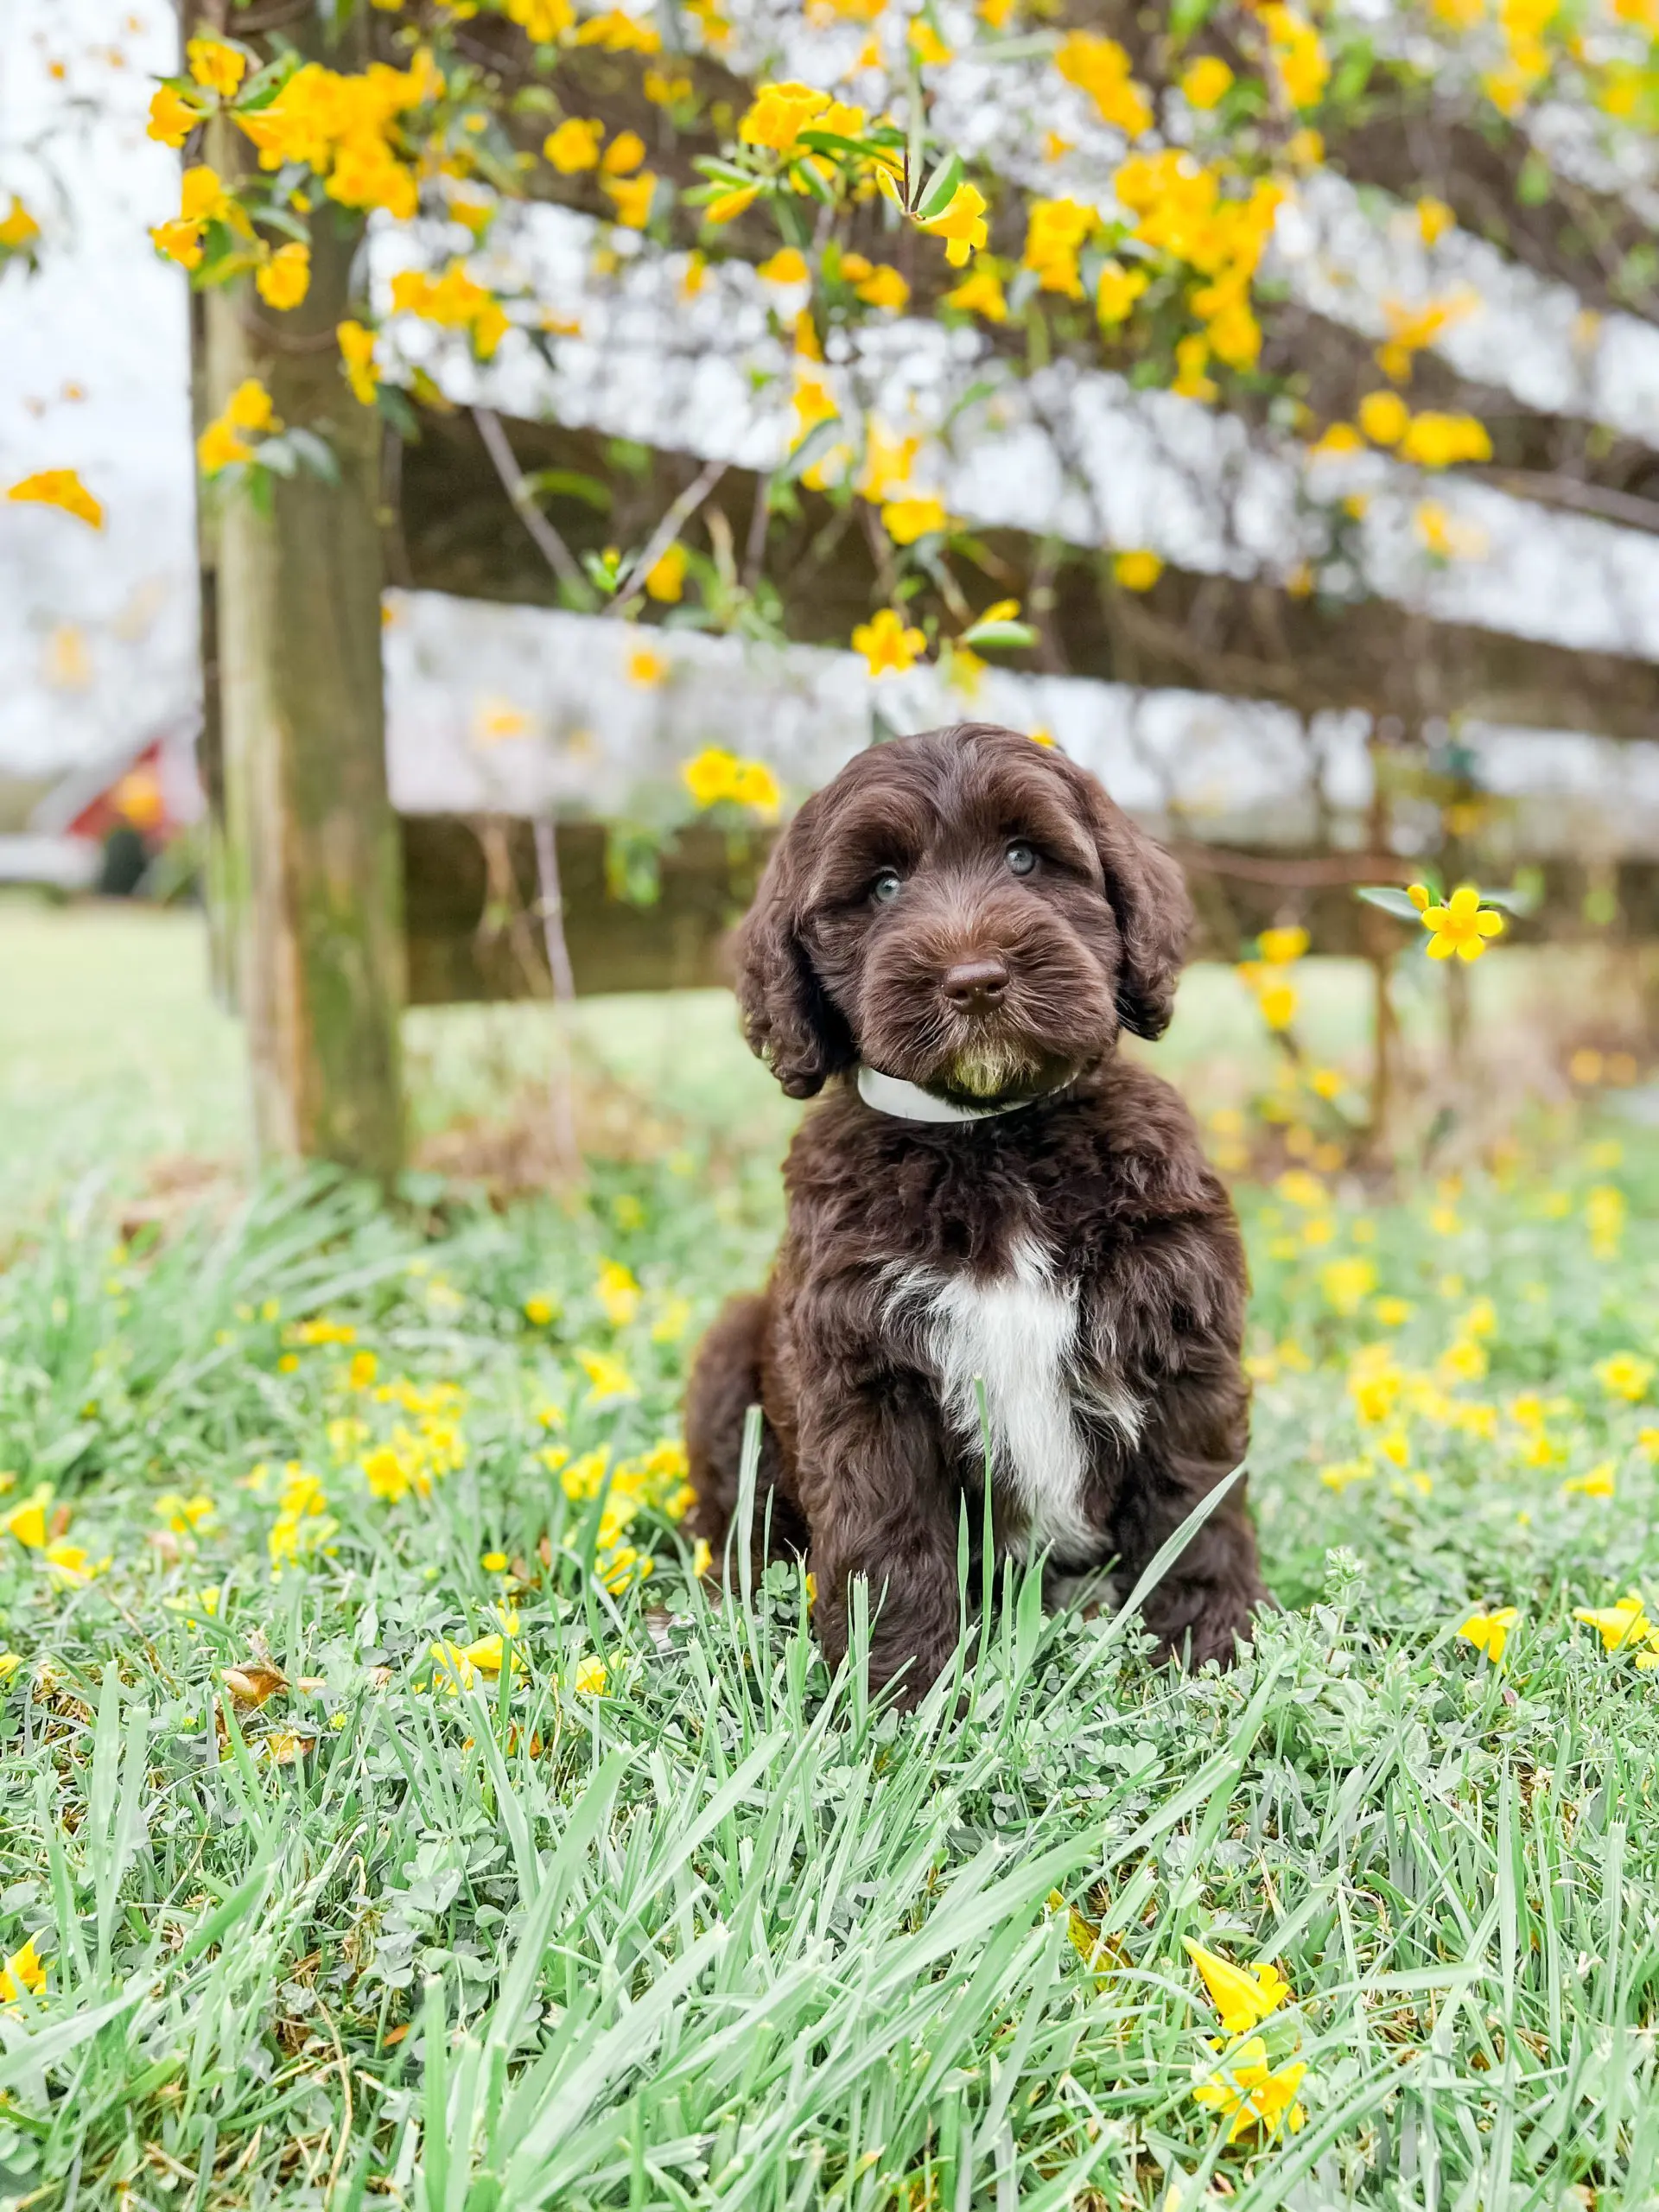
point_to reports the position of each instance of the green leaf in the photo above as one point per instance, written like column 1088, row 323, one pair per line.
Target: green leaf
column 1353, row 72
column 1189, row 16
column 940, row 189
column 831, row 141
column 1012, row 637
column 314, row 453
column 570, row 484
column 817, row 441
column 261, row 89
column 1390, row 897
column 1535, row 182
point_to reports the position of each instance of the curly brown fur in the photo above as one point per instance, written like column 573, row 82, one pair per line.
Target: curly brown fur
column 1079, row 1250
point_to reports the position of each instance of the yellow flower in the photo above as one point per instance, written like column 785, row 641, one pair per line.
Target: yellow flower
column 624, row 153
column 23, row 1970
column 1279, row 948
column 666, row 581
column 711, row 776
column 632, row 197
column 888, row 462
column 1056, row 232
column 70, row 1566
column 981, row 293
column 59, row 487
column 183, row 1515
column 618, row 32
column 779, row 114
column 1300, row 1189
column 609, row 1381
column 9, row 1662
column 1619, row 1626
column 1342, row 1472
column 1347, row 1284
column 1434, row 218
column 1597, row 1483
column 926, row 43
column 1462, row 926
column 541, row 21
column 218, row 447
column 1604, row 1214
column 1136, row 571
column 1488, row 1632
column 1481, row 1320
column 1247, row 2088
column 388, row 1473
column 1437, row 441
column 727, row 204
column 1383, row 417
column 646, row 668
column 18, row 228
column 494, row 1562
column 1299, row 57
column 286, row 277
column 907, row 520
column 618, row 1293
column 178, row 241
column 754, row 785
column 885, row 288
column 1625, row 1376
column 1393, row 1313
column 1117, row 291
column 591, row 1678
column 962, row 225
column 27, row 1521
column 249, row 407
column 702, row 1557
column 215, row 67
column 1463, row 1361
column 787, row 266
column 1205, row 81
column 1100, row 67
column 574, row 146
column 1243, row 1997
column 172, row 117
column 1339, row 440
column 888, row 647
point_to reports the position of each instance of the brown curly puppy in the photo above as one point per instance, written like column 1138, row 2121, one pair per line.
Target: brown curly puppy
column 953, row 934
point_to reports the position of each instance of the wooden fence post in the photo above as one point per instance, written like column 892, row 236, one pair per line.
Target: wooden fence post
column 310, row 874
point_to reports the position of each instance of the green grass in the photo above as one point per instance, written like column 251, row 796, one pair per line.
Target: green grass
column 723, row 1931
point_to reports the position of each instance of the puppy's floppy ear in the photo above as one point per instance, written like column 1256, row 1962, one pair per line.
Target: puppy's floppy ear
column 1149, row 895
column 787, row 1017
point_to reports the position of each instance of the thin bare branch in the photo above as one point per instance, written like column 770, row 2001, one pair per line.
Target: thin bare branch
column 549, row 544
column 667, row 530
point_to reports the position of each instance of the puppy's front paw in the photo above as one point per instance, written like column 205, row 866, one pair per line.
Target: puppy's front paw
column 1212, row 1624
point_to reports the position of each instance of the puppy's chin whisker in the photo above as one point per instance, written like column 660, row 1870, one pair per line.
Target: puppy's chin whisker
column 988, row 1070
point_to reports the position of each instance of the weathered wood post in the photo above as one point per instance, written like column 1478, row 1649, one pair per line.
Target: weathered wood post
column 309, row 872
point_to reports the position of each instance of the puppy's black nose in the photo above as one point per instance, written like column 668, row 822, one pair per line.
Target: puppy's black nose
column 976, row 984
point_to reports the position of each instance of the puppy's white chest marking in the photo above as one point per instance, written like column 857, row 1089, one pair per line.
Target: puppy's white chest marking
column 1017, row 1331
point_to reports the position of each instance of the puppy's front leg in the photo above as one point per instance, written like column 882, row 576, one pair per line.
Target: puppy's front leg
column 879, row 1504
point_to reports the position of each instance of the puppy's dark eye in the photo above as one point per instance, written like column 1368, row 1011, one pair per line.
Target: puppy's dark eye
column 1020, row 859
column 886, row 886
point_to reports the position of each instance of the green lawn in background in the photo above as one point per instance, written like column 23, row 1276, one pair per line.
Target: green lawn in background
column 386, row 1832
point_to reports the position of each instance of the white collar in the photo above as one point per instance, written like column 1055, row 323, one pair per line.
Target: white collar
column 908, row 1102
